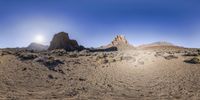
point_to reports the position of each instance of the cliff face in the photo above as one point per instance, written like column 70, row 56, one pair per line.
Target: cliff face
column 62, row 41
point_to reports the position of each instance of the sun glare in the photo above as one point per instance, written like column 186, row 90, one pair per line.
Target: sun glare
column 39, row 39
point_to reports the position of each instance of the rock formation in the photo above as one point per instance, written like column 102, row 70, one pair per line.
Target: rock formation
column 120, row 43
column 119, row 39
column 37, row 47
column 62, row 41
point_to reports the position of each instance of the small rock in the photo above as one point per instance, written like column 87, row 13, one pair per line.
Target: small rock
column 82, row 79
column 24, row 69
column 50, row 76
column 169, row 57
column 193, row 61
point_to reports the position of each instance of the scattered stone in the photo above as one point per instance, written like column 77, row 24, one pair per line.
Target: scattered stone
column 159, row 54
column 191, row 54
column 102, row 55
column 193, row 61
column 49, row 62
column 27, row 56
column 72, row 93
column 84, row 53
column 6, row 52
column 105, row 61
column 169, row 57
column 73, row 55
column 59, row 52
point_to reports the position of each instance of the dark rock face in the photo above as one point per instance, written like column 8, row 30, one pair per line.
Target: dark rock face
column 62, row 41
column 37, row 47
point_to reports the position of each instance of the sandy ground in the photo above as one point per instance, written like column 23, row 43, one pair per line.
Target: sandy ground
column 123, row 75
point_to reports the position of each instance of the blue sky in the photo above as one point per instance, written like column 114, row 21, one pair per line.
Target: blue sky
column 96, row 22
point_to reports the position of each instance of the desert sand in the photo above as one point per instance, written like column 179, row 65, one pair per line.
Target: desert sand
column 150, row 73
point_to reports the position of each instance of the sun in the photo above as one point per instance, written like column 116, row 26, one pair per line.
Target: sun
column 39, row 38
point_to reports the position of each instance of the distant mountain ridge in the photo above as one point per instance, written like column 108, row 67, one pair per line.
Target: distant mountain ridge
column 159, row 43
column 37, row 47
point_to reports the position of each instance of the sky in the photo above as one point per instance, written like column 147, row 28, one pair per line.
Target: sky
column 94, row 23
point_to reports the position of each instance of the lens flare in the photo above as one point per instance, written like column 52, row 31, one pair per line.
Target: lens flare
column 39, row 39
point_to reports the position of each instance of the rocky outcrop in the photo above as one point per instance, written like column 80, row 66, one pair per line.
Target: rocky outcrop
column 119, row 39
column 62, row 41
column 37, row 47
column 120, row 43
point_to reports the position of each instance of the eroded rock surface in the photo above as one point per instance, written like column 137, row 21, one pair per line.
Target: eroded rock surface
column 62, row 41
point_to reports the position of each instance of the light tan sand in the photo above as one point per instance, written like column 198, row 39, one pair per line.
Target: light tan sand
column 141, row 74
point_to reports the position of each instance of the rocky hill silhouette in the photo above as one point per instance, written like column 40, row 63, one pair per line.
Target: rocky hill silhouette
column 37, row 47
column 62, row 41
